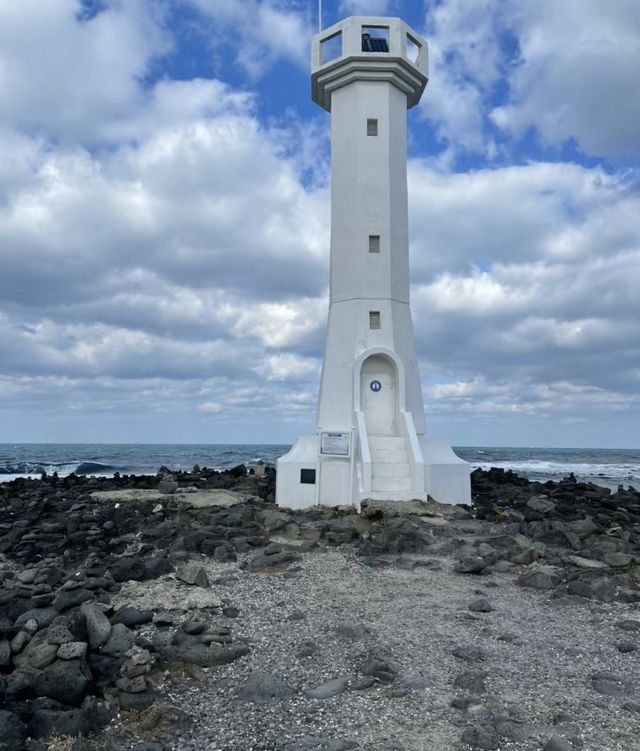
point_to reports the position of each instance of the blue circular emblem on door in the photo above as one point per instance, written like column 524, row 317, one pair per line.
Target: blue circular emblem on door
column 375, row 385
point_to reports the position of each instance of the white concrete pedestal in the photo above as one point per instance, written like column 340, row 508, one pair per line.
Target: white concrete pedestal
column 341, row 481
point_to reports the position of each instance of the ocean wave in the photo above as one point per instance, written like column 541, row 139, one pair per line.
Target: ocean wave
column 29, row 469
column 541, row 467
column 23, row 468
column 95, row 468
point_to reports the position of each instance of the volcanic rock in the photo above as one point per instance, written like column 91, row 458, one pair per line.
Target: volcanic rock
column 71, row 598
column 468, row 654
column 545, row 577
column 192, row 573
column 12, row 732
column 66, row 681
column 131, row 617
column 168, row 485
column 46, row 723
column 75, row 650
column 380, row 669
column 97, row 624
column 557, row 744
column 541, row 503
column 471, row 680
column 470, row 565
column 329, row 689
column 480, row 605
column 119, row 641
column 42, row 616
column 618, row 560
column 265, row 688
column 5, row 652
column 479, row 737
column 609, row 684
column 128, row 568
column 629, row 625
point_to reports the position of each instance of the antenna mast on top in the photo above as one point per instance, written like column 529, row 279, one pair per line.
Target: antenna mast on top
column 319, row 16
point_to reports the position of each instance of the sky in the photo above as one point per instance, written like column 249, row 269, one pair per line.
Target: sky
column 164, row 220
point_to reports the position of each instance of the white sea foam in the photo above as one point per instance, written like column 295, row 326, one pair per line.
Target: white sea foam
column 538, row 467
column 9, row 478
column 34, row 470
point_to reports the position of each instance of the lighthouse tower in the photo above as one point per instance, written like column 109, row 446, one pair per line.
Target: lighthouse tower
column 370, row 441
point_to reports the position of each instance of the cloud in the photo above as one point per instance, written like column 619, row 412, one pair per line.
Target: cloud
column 261, row 32
column 63, row 75
column 554, row 399
column 156, row 286
column 286, row 366
column 167, row 263
column 174, row 104
column 296, row 323
column 194, row 263
column 94, row 349
column 524, row 277
column 210, row 408
column 465, row 62
column 207, row 205
column 567, row 71
column 517, row 214
column 576, row 75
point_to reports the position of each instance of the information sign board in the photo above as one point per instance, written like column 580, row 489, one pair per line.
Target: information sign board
column 335, row 444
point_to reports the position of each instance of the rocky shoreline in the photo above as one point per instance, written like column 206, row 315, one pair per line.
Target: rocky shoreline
column 188, row 612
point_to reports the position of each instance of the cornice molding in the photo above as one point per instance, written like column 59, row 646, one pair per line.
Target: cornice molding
column 396, row 70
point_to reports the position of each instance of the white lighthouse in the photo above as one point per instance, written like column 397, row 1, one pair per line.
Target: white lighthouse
column 370, row 441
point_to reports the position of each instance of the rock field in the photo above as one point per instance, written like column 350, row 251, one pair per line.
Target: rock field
column 132, row 618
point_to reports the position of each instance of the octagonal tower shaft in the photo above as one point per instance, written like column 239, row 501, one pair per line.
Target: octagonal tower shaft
column 368, row 94
column 369, row 193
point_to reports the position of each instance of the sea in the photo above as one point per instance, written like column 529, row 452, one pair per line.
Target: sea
column 607, row 467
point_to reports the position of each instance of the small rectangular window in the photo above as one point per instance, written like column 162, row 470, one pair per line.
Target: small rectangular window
column 374, row 243
column 372, row 127
column 374, row 319
column 307, row 477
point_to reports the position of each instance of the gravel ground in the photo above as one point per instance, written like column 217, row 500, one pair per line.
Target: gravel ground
column 539, row 656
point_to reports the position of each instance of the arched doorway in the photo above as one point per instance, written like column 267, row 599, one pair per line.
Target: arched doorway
column 379, row 395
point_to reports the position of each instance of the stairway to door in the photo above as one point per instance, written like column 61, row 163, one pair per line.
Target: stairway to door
column 390, row 468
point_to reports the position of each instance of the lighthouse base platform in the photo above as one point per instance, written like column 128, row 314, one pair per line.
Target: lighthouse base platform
column 385, row 468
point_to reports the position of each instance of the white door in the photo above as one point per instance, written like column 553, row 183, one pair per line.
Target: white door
column 378, row 395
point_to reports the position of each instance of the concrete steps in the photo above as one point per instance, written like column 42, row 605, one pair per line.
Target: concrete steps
column 390, row 485
column 390, row 468
column 387, row 449
column 397, row 495
column 384, row 469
